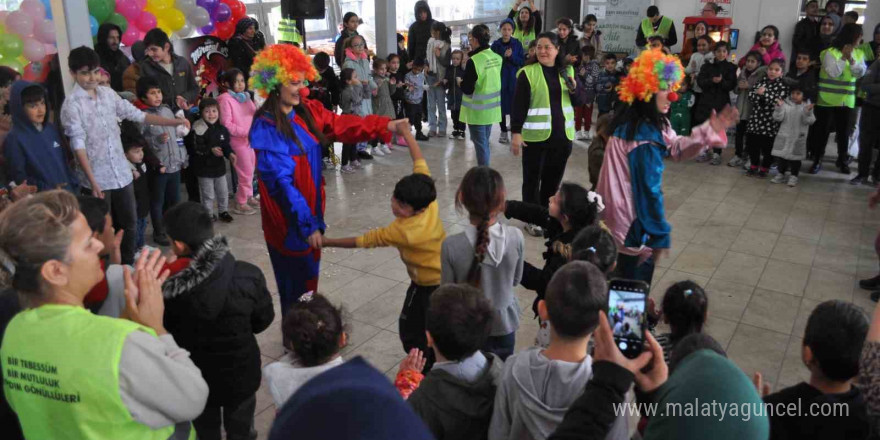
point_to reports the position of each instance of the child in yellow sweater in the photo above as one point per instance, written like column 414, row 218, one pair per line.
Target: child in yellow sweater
column 417, row 233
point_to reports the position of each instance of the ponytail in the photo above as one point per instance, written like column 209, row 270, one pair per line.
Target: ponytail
column 480, row 247
column 482, row 193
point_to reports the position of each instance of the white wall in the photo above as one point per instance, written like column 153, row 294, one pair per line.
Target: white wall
column 749, row 16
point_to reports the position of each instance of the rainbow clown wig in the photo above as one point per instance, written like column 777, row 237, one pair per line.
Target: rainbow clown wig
column 277, row 65
column 651, row 72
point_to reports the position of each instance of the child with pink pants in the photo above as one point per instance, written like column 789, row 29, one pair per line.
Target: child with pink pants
column 236, row 114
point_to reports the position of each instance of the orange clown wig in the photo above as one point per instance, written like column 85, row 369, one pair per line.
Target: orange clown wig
column 651, row 72
column 277, row 65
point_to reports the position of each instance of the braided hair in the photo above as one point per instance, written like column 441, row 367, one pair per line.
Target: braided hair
column 482, row 193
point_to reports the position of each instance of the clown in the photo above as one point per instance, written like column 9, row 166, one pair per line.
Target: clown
column 288, row 133
column 630, row 181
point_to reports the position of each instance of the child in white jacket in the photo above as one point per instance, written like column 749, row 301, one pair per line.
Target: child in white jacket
column 790, row 145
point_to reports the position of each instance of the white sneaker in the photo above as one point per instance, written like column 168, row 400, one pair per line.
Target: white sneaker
column 716, row 159
column 580, row 135
column 588, row 136
column 792, row 181
column 735, row 161
column 534, row 230
column 503, row 139
column 384, row 148
column 347, row 169
column 357, row 165
column 376, row 151
column 779, row 178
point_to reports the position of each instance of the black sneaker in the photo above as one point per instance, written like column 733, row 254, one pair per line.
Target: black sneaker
column 870, row 283
column 225, row 217
column 161, row 240
column 816, row 168
column 875, row 296
column 421, row 137
column 364, row 155
column 213, row 219
column 751, row 172
column 844, row 168
column 856, row 180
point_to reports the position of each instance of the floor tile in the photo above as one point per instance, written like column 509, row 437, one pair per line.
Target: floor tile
column 798, row 225
column 825, row 284
column 728, row 300
column 793, row 369
column 804, row 311
column 384, row 310
column 794, row 250
column 741, row 268
column 698, row 259
column 843, row 259
column 782, row 276
column 360, row 291
column 721, row 330
column 766, row 221
column 720, row 237
column 755, row 349
column 772, row 311
column 754, row 242
column 383, row 351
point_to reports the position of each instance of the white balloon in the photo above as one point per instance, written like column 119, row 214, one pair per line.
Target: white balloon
column 200, row 17
column 185, row 31
column 186, row 6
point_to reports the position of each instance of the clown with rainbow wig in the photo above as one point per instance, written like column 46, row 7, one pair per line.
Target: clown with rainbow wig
column 288, row 133
column 630, row 181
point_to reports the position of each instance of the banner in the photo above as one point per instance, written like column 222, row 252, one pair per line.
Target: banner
column 209, row 58
column 619, row 21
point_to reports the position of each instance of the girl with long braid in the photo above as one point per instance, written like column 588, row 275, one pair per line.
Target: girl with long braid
column 488, row 254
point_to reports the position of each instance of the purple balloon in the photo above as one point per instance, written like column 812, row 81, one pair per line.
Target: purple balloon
column 207, row 29
column 222, row 13
column 210, row 5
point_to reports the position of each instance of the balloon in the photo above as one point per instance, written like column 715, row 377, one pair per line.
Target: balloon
column 37, row 71
column 51, row 49
column 222, row 14
column 93, row 23
column 200, row 17
column 10, row 46
column 34, row 50
column 185, row 31
column 207, row 29
column 146, row 21
column 131, row 36
column 47, row 6
column 14, row 64
column 129, row 9
column 157, row 6
column 101, row 9
column 225, row 30
column 210, row 5
column 141, row 4
column 34, row 8
column 174, row 19
column 165, row 28
column 19, row 23
column 45, row 31
column 117, row 19
column 185, row 6
column 239, row 10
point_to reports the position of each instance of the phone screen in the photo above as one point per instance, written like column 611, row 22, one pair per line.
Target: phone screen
column 626, row 315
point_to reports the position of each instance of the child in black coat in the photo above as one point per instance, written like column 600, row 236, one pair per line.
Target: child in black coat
column 213, row 307
column 717, row 78
column 326, row 88
column 454, row 93
column 209, row 161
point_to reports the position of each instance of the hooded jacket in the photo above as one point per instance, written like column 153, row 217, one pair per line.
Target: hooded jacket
column 743, row 104
column 181, row 83
column 715, row 96
column 170, row 155
column 534, row 394
column 457, row 409
column 242, row 51
column 213, row 307
column 113, row 61
column 501, row 271
column 791, row 140
column 208, row 136
column 774, row 52
column 237, row 117
column 419, row 32
column 509, row 67
column 35, row 155
column 382, row 104
column 361, row 65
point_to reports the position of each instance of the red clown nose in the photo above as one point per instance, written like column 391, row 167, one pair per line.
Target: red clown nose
column 672, row 96
column 304, row 92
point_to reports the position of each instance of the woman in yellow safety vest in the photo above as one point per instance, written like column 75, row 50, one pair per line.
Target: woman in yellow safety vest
column 527, row 19
column 69, row 373
column 842, row 65
column 542, row 120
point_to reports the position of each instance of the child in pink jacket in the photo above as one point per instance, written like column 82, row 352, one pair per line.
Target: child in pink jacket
column 236, row 113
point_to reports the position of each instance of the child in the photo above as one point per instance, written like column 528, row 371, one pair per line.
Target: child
column 511, row 52
column 90, row 115
column 437, row 54
column 609, row 77
column 417, row 233
column 588, row 72
column 416, row 87
column 382, row 104
column 213, row 307
column 313, row 334
column 703, row 55
column 680, row 110
column 684, row 308
column 539, row 385
column 768, row 45
column 749, row 75
column 717, row 78
column 454, row 76
column 762, row 128
column 832, row 346
column 237, row 111
column 656, row 42
column 488, row 254
column 141, row 159
column 455, row 399
column 804, row 75
column 591, row 36
column 107, row 298
column 356, row 58
column 326, row 88
column 595, row 245
column 596, row 151
column 32, row 148
column 350, row 102
column 398, row 77
column 790, row 146
column 533, row 45
column 209, row 163
column 103, row 77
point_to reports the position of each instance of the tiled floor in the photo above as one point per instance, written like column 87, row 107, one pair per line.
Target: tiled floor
column 767, row 254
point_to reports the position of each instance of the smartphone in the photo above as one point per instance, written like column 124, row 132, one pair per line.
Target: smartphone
column 627, row 302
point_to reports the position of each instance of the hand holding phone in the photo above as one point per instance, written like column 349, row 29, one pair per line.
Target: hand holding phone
column 627, row 303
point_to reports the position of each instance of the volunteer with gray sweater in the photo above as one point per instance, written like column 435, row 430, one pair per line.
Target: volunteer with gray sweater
column 91, row 376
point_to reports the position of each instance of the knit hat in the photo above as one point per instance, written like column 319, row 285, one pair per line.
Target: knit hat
column 351, row 401
column 277, row 65
column 651, row 72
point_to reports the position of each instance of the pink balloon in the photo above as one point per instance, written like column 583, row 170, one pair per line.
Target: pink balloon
column 146, row 21
column 45, row 31
column 131, row 35
column 3, row 15
column 129, row 9
column 34, row 50
column 34, row 8
column 20, row 23
column 141, row 4
column 51, row 49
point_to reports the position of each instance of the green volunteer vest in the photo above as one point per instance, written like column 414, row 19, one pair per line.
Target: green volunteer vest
column 662, row 30
column 524, row 38
column 287, row 31
column 538, row 125
column 840, row 91
column 61, row 376
column 484, row 106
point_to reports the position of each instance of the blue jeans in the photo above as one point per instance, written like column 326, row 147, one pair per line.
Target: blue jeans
column 628, row 268
column 164, row 193
column 141, row 233
column 436, row 107
column 480, row 137
column 502, row 346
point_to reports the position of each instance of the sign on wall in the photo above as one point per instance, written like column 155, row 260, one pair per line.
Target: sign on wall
column 619, row 21
column 209, row 57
